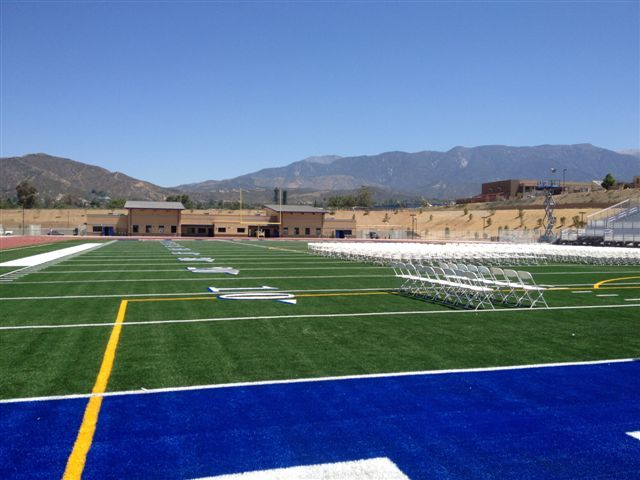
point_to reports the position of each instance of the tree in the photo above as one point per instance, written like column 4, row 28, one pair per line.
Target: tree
column 608, row 181
column 7, row 203
column 363, row 197
column 341, row 201
column 26, row 194
column 184, row 199
column 116, row 203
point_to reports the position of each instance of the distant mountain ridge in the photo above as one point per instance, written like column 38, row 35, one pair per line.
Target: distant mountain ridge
column 429, row 174
column 457, row 172
column 56, row 176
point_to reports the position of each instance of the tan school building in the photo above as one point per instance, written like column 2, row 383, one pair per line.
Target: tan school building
column 171, row 219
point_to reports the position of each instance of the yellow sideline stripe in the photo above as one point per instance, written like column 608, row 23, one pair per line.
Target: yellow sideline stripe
column 597, row 285
column 78, row 457
column 176, row 299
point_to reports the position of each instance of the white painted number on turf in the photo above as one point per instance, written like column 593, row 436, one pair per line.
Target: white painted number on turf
column 372, row 469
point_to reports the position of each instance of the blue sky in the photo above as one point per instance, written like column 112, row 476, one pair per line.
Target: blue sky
column 178, row 92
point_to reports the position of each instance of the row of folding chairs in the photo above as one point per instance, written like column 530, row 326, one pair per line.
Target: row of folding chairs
column 496, row 254
column 469, row 286
column 386, row 253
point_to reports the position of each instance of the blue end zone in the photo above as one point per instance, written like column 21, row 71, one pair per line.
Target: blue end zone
column 560, row 423
column 36, row 437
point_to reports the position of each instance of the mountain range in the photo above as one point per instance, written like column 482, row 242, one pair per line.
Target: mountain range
column 429, row 174
column 457, row 172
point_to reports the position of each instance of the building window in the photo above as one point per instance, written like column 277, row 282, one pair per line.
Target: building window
column 97, row 229
column 174, row 229
column 307, row 231
column 222, row 229
column 136, row 229
column 296, row 231
column 241, row 230
column 286, row 230
column 160, row 228
column 147, row 228
column 318, row 231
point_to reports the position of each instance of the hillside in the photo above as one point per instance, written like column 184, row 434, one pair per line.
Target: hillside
column 455, row 173
column 55, row 176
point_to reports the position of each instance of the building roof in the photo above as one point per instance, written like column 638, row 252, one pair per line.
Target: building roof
column 294, row 208
column 154, row 205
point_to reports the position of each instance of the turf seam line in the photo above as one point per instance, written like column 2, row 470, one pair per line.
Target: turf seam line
column 320, row 315
column 144, row 391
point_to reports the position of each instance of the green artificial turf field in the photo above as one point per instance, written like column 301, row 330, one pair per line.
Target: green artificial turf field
column 55, row 323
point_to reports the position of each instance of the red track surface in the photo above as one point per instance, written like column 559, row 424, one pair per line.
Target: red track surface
column 25, row 241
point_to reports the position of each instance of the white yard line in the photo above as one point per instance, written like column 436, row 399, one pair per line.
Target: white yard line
column 35, row 246
column 524, row 267
column 354, row 267
column 13, row 271
column 182, row 294
column 319, row 379
column 157, row 264
column 191, row 279
column 199, row 279
column 267, row 247
column 315, row 315
column 171, row 254
column 213, row 252
column 591, row 284
column 41, row 258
